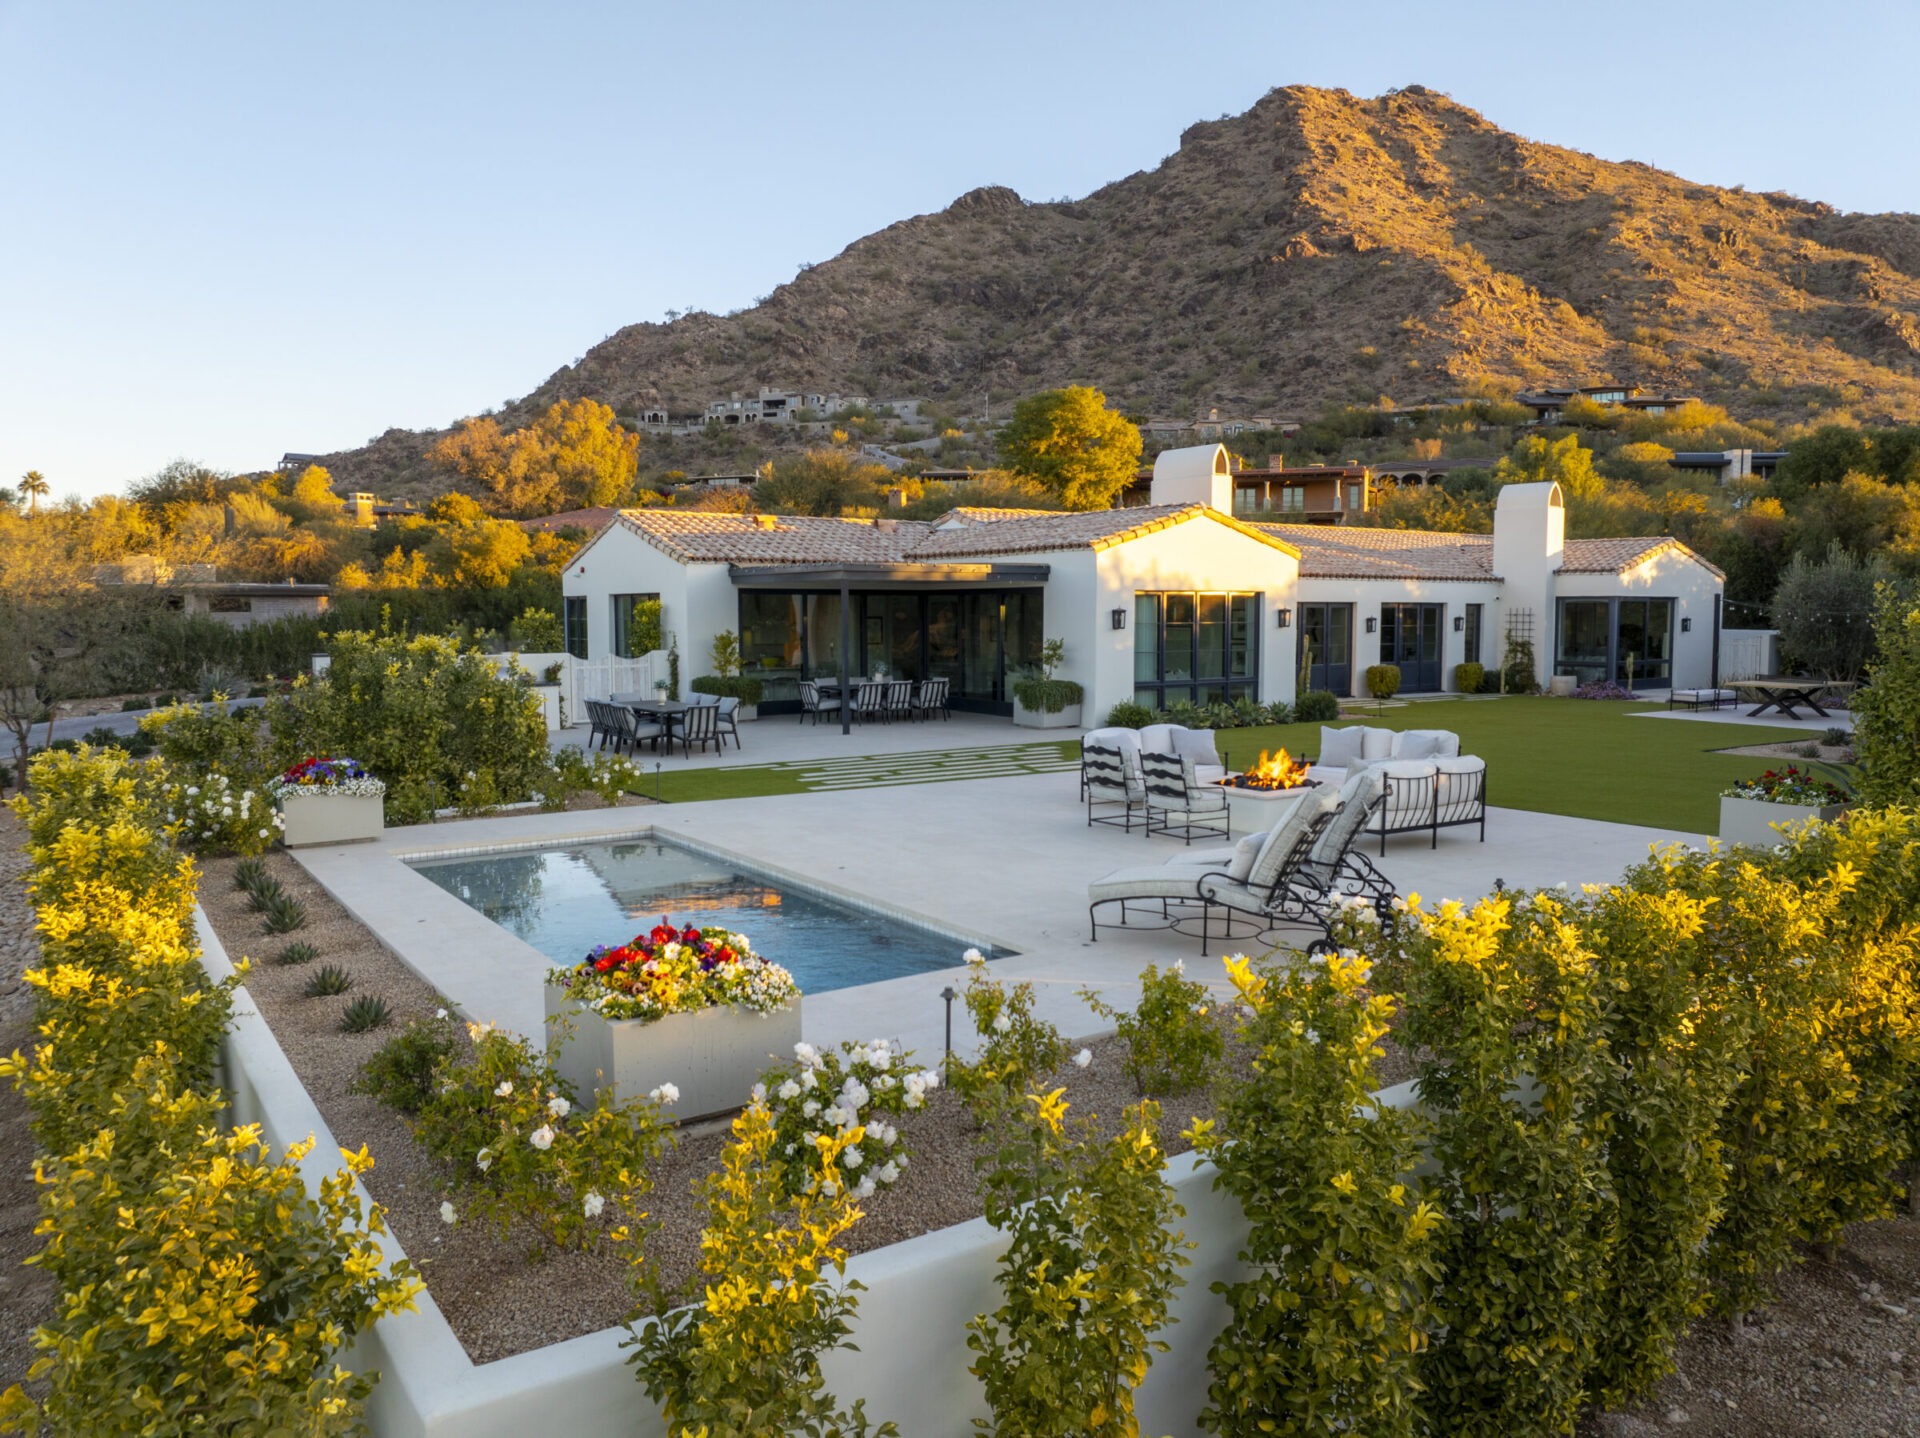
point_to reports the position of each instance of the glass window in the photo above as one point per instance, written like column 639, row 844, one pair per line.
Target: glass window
column 574, row 617
column 1471, row 653
column 636, row 625
column 1240, row 617
column 823, row 638
column 1585, row 626
column 770, row 643
column 1179, row 639
column 1176, row 639
column 1146, row 639
column 1210, row 636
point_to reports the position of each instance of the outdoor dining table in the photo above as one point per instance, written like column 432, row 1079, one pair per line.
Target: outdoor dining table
column 667, row 711
column 1784, row 693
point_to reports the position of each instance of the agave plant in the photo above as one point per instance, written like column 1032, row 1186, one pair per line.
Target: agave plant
column 328, row 979
column 298, row 952
column 369, row 1011
column 281, row 913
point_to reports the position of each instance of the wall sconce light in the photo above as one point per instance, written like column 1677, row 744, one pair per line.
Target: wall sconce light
column 1284, row 615
column 1459, row 623
column 1119, row 618
column 1372, row 624
column 1686, row 626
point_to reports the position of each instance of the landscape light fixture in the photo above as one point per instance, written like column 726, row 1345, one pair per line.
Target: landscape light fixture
column 1119, row 619
column 950, row 993
column 1284, row 615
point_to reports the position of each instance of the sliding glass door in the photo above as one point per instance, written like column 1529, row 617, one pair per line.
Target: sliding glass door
column 1196, row 647
column 1627, row 641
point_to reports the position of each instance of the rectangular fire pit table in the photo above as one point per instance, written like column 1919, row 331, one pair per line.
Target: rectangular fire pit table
column 1254, row 811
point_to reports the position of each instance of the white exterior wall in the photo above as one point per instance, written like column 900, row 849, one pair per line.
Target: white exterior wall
column 621, row 562
column 1529, row 537
column 1667, row 575
column 1201, row 555
column 1367, row 595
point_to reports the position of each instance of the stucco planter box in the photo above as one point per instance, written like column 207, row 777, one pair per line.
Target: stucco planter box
column 330, row 818
column 1561, row 686
column 549, row 705
column 713, row 1056
column 1751, row 821
column 1067, row 718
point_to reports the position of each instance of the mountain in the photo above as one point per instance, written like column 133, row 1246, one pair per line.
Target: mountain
column 1322, row 246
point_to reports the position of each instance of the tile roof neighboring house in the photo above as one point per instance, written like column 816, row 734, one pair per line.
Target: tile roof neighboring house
column 587, row 519
column 1097, row 529
column 696, row 537
column 1616, row 556
column 1328, row 552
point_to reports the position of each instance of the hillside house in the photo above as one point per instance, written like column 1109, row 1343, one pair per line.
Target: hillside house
column 1548, row 404
column 1174, row 599
column 1308, row 494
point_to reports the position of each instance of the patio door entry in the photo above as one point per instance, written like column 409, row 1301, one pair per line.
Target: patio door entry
column 1410, row 638
column 1327, row 632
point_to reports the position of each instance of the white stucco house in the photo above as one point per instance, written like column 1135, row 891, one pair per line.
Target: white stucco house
column 1177, row 599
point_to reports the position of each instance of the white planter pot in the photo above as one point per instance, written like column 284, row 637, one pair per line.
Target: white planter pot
column 1067, row 718
column 746, row 713
column 330, row 818
column 1751, row 821
column 1561, row 686
column 549, row 705
column 713, row 1057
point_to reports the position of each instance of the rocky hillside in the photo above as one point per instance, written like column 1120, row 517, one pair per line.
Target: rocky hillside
column 1319, row 247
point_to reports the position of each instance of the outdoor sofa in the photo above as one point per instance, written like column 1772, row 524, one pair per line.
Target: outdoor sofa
column 1429, row 785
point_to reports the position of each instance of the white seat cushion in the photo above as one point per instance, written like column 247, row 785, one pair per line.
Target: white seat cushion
column 1284, row 835
column 1376, row 744
column 1152, row 881
column 1342, row 748
column 1359, row 791
column 1459, row 778
column 1220, row 857
column 1208, row 773
column 1196, row 746
column 1156, row 738
column 1231, row 894
column 1425, row 744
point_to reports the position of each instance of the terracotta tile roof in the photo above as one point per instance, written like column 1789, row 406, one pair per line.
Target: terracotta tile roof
column 1096, row 529
column 1615, row 556
column 1343, row 552
column 982, row 514
column 698, row 537
column 587, row 519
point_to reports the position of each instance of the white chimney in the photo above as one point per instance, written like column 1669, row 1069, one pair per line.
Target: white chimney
column 1195, row 475
column 1529, row 537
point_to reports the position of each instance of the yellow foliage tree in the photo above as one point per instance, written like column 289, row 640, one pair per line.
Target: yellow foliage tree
column 576, row 455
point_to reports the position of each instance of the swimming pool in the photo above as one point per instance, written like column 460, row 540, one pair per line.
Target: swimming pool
column 563, row 901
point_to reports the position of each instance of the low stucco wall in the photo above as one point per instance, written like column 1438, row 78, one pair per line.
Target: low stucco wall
column 911, row 1326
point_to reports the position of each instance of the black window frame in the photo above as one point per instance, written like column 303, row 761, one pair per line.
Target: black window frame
column 1151, row 606
column 573, row 621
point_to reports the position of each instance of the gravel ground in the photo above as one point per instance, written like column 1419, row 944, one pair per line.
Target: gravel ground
column 26, row 1298
column 1829, row 753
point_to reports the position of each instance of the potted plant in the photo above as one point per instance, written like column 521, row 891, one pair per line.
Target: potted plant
column 328, row 801
column 695, row 1007
column 727, row 679
column 1042, row 702
column 1750, row 811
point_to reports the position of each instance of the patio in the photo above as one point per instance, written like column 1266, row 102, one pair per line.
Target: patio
column 1000, row 860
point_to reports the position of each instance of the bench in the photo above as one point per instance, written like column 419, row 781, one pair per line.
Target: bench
column 1700, row 698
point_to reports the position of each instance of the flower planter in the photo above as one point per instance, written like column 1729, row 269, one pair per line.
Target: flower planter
column 322, row 818
column 1751, row 821
column 713, row 1056
column 1025, row 718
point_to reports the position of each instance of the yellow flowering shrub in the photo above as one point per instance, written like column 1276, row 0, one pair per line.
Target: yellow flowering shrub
column 1087, row 1278
column 745, row 1361
column 1326, row 1329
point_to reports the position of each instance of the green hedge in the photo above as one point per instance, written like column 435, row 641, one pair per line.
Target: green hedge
column 744, row 687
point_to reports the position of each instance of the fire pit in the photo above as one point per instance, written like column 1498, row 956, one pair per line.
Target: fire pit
column 1273, row 772
column 1262, row 794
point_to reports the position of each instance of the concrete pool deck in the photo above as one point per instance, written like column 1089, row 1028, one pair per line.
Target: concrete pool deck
column 1005, row 861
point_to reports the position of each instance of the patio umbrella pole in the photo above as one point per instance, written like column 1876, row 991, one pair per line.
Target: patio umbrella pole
column 846, row 643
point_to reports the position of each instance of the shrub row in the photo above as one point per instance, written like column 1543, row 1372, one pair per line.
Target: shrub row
column 203, row 1289
column 1637, row 1101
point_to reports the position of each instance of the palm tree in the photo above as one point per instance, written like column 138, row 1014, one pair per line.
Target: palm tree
column 33, row 484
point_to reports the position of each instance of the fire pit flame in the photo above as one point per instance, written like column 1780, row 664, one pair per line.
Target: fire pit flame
column 1273, row 771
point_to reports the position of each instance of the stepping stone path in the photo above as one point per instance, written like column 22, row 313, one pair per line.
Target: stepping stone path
column 934, row 766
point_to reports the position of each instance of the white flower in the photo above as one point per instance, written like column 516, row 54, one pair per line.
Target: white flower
column 1001, row 1023
column 263, row 834
column 854, row 1095
column 973, row 956
column 852, row 1157
column 888, row 1133
column 788, row 1091
column 592, row 1204
column 759, row 1092
column 1180, row 966
column 806, row 1053
column 1083, row 1058
column 558, row 1106
column 542, row 1138
column 477, row 1032
column 810, row 1108
column 505, row 1090
column 439, row 1013
column 446, row 1213
column 889, row 1171
column 808, row 1081
column 930, row 1078
column 864, row 1189
column 192, row 789
column 484, row 1159
column 666, row 1093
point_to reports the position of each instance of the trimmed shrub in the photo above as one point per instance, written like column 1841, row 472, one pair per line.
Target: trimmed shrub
column 403, row 1072
column 745, row 687
column 1886, row 731
column 1128, row 715
column 1383, row 680
column 1317, row 706
column 1173, row 1043
column 1468, row 678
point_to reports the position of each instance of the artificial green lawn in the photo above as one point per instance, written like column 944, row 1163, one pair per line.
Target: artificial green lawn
column 1586, row 758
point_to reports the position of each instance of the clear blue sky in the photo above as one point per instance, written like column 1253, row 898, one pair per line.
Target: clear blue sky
column 236, row 229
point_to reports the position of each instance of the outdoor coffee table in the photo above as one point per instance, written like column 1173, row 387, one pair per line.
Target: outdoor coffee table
column 1784, row 693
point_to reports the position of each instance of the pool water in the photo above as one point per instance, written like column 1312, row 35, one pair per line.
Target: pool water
column 565, row 901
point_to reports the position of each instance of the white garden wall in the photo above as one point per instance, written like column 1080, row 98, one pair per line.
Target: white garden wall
column 911, row 1328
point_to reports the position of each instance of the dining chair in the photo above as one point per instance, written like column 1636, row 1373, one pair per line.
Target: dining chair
column 729, row 719
column 931, row 696
column 899, row 699
column 870, row 701
column 699, row 724
column 812, row 703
